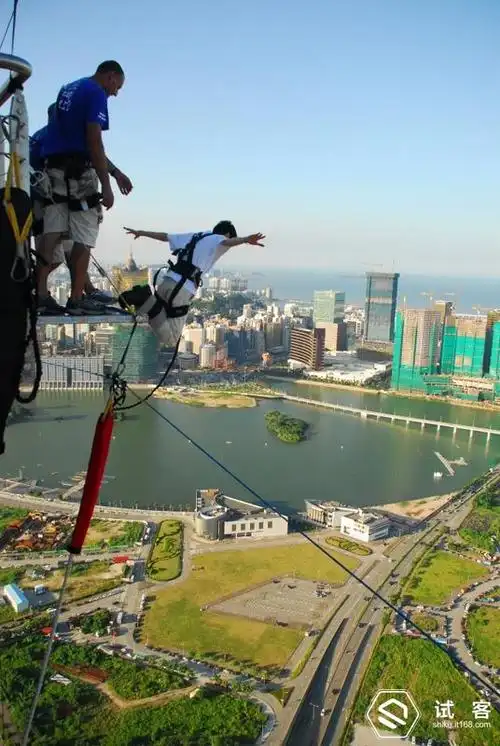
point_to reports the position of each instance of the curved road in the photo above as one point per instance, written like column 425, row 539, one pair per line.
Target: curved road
column 458, row 613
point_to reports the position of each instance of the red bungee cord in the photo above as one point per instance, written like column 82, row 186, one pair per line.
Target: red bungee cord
column 93, row 480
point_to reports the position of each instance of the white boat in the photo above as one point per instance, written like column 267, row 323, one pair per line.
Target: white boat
column 438, row 475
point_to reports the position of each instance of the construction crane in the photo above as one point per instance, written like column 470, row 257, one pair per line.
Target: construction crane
column 428, row 295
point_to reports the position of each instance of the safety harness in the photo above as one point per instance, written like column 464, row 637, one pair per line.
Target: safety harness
column 74, row 166
column 187, row 270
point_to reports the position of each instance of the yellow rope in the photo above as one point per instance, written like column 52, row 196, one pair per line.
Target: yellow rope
column 14, row 171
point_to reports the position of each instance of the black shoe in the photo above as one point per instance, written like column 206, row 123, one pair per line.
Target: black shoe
column 48, row 306
column 136, row 296
column 85, row 307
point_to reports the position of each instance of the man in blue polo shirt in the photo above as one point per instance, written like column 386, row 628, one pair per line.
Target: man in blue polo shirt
column 75, row 163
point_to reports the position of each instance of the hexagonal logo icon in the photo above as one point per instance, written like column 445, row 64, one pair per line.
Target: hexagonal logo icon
column 393, row 713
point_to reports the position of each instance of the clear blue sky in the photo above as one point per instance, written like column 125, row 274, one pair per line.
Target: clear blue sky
column 348, row 131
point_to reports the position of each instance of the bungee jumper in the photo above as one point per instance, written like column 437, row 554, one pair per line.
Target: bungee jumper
column 167, row 305
column 74, row 164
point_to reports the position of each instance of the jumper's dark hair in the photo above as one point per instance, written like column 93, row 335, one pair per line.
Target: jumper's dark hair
column 51, row 110
column 225, row 228
column 109, row 66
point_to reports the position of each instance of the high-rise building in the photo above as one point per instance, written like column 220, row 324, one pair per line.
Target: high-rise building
column 208, row 353
column 335, row 335
column 194, row 333
column 380, row 306
column 329, row 306
column 416, row 348
column 494, row 363
column 308, row 347
column 463, row 347
column 142, row 356
column 445, row 308
column 72, row 372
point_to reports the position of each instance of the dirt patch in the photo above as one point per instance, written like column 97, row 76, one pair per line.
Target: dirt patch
column 420, row 508
column 209, row 399
column 288, row 602
column 90, row 675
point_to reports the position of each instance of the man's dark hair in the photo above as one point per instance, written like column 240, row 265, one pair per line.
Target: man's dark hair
column 225, row 228
column 110, row 66
column 51, row 110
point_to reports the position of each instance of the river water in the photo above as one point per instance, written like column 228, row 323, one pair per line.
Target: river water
column 346, row 459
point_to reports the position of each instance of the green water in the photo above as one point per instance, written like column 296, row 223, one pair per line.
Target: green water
column 345, row 458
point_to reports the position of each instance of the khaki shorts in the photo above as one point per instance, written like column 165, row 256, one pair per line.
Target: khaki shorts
column 80, row 226
column 62, row 250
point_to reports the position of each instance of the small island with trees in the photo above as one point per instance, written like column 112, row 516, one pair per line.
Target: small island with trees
column 287, row 429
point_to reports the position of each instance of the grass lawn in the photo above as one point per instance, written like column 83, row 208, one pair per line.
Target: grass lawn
column 483, row 631
column 7, row 613
column 11, row 574
column 166, row 558
column 348, row 545
column 439, row 575
column 426, row 622
column 113, row 533
column 9, row 515
column 429, row 675
column 177, row 622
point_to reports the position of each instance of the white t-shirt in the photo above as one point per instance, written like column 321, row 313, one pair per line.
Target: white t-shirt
column 207, row 252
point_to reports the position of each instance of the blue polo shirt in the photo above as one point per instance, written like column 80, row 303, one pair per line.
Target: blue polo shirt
column 78, row 104
column 36, row 144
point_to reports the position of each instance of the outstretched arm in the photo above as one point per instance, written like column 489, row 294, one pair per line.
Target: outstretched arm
column 255, row 239
column 146, row 234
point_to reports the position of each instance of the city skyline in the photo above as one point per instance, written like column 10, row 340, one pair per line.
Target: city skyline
column 361, row 145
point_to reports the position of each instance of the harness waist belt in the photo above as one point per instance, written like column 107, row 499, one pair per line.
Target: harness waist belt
column 187, row 271
column 75, row 205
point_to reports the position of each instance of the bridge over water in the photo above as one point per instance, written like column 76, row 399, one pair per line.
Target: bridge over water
column 373, row 414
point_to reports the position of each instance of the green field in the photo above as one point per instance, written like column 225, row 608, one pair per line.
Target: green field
column 439, row 576
column 426, row 622
column 108, row 534
column 428, row 674
column 348, row 545
column 483, row 631
column 176, row 620
column 165, row 562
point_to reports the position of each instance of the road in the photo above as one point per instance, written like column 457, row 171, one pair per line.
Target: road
column 53, row 505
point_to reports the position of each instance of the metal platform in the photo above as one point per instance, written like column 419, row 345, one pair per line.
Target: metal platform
column 107, row 318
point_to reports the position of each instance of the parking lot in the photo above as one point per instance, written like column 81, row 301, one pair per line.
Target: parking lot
column 286, row 601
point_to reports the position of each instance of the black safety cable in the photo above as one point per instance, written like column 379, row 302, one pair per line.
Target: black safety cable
column 14, row 20
column 144, row 399
column 7, row 30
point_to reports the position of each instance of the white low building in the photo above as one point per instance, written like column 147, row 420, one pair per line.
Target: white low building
column 16, row 598
column 365, row 526
column 218, row 516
